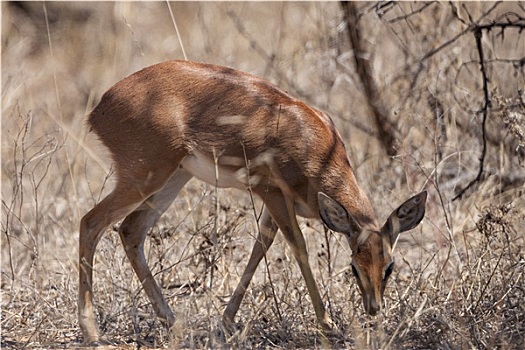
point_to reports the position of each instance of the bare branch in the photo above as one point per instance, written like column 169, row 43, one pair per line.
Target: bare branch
column 415, row 12
column 387, row 131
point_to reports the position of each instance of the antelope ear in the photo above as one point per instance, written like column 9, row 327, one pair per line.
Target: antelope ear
column 406, row 217
column 334, row 215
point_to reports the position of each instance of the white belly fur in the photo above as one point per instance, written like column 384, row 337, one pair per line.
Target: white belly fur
column 204, row 169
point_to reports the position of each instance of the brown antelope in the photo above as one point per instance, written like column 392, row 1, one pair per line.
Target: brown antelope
column 178, row 119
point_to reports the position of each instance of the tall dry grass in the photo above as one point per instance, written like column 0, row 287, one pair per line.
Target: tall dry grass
column 459, row 276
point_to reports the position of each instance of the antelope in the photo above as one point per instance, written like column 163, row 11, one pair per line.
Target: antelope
column 176, row 120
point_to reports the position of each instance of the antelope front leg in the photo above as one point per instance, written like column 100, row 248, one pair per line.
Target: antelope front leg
column 283, row 213
column 298, row 246
column 267, row 231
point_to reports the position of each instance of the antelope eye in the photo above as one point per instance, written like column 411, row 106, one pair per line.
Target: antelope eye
column 388, row 270
column 354, row 271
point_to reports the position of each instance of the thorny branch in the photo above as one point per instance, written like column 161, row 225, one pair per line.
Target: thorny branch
column 405, row 17
column 476, row 27
column 486, row 105
column 519, row 22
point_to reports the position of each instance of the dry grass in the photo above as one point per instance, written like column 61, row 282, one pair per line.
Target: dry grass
column 459, row 280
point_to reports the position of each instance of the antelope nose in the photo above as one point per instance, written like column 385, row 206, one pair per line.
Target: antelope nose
column 372, row 306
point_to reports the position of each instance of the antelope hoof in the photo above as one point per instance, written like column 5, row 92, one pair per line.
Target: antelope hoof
column 328, row 327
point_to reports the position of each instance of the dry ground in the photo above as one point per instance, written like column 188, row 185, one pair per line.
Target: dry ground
column 459, row 279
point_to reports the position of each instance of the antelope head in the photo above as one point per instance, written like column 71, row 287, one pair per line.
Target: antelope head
column 372, row 262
